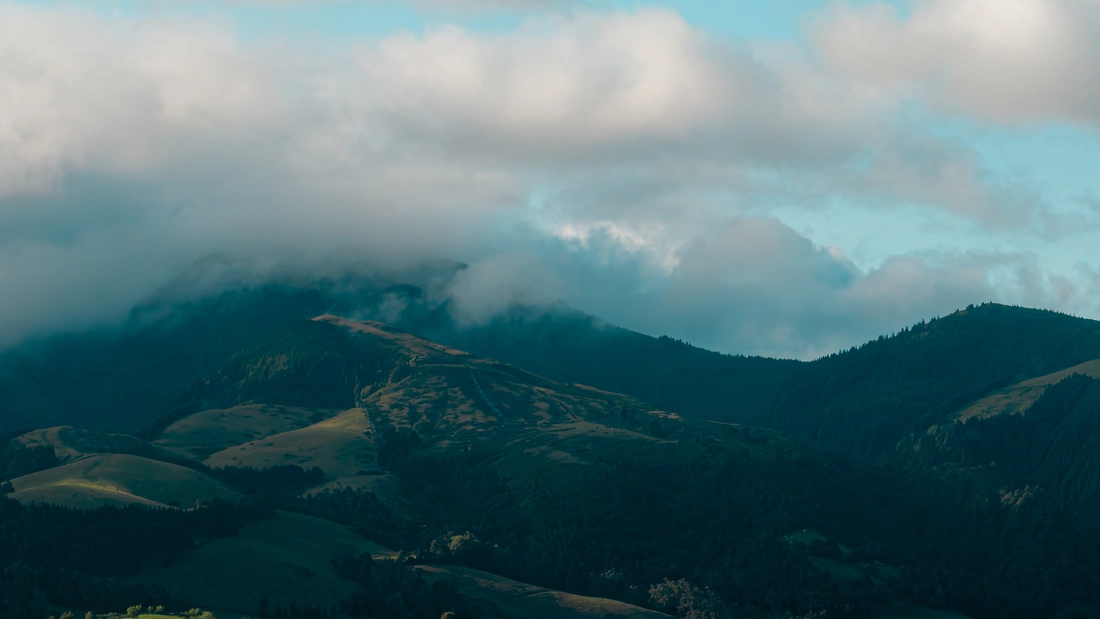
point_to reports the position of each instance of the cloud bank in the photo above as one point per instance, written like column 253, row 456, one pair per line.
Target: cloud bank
column 626, row 162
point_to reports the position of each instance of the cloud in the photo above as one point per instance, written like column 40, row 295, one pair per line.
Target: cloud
column 626, row 162
column 1006, row 61
column 755, row 285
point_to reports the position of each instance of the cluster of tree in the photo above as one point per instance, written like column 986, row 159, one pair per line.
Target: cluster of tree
column 281, row 478
column 138, row 610
column 1022, row 493
column 864, row 401
column 17, row 459
column 116, row 376
column 52, row 555
column 387, row 589
column 640, row 531
column 683, row 599
column 396, row 443
column 689, row 510
column 362, row 512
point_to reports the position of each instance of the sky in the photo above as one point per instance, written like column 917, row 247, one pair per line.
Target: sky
column 784, row 178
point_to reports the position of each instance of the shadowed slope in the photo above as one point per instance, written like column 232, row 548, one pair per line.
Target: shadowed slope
column 288, row 558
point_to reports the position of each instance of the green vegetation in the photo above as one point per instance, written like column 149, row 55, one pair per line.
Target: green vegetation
column 289, row 557
column 113, row 379
column 119, row 479
column 522, row 601
column 341, row 446
column 1016, row 399
column 69, row 443
column 497, row 492
column 199, row 435
column 868, row 400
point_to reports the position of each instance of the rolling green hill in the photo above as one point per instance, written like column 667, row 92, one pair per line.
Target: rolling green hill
column 119, row 479
column 199, row 435
column 69, row 443
column 341, row 446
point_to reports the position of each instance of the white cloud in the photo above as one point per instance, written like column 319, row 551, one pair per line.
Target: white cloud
column 131, row 147
column 752, row 284
column 1006, row 61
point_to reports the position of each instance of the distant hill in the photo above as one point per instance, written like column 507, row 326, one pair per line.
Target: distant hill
column 570, row 346
column 118, row 479
column 870, row 400
column 116, row 380
column 865, row 401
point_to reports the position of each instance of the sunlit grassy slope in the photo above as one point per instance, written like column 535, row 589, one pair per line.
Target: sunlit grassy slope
column 119, row 479
column 341, row 446
column 202, row 434
column 1017, row 398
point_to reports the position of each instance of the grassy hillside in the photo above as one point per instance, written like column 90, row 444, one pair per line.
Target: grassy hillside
column 1016, row 399
column 199, row 435
column 69, row 443
column 118, row 479
column 341, row 446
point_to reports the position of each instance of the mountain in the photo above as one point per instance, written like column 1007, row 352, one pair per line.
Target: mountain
column 546, row 455
column 115, row 380
column 870, row 401
column 865, row 402
column 463, row 460
column 570, row 346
